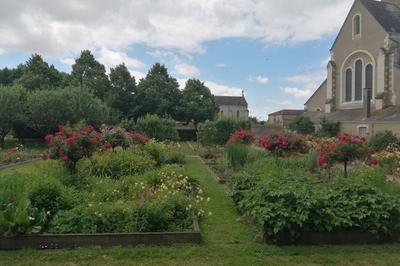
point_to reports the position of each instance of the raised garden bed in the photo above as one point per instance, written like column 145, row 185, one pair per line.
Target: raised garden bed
column 9, row 165
column 336, row 238
column 59, row 241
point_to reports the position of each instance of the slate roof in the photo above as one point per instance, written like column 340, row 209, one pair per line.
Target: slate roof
column 387, row 14
column 288, row 112
column 231, row 100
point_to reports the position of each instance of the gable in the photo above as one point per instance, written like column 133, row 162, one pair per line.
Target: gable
column 387, row 14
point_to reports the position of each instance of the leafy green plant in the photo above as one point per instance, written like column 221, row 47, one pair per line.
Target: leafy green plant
column 328, row 129
column 218, row 132
column 20, row 218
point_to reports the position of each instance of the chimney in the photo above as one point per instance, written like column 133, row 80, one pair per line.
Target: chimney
column 367, row 102
column 395, row 2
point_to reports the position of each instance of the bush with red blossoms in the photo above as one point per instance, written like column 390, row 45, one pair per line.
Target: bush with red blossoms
column 343, row 149
column 70, row 146
column 119, row 137
column 242, row 137
column 280, row 144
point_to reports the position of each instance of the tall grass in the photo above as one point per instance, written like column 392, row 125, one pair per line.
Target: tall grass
column 237, row 155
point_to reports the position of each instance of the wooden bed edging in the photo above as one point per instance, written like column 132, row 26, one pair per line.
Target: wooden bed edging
column 337, row 238
column 59, row 241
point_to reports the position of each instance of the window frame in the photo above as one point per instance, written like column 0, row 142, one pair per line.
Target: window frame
column 354, row 21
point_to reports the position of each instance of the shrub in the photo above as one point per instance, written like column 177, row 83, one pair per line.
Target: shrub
column 329, row 129
column 242, row 137
column 48, row 195
column 116, row 163
column 282, row 144
column 302, row 125
column 218, row 132
column 157, row 152
column 237, row 154
column 70, row 147
column 158, row 128
column 119, row 137
column 381, row 140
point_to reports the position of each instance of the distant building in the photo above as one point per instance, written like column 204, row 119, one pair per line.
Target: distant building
column 283, row 118
column 233, row 107
column 362, row 89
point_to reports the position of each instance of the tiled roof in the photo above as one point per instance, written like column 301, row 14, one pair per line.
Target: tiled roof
column 320, row 87
column 288, row 112
column 231, row 100
column 387, row 14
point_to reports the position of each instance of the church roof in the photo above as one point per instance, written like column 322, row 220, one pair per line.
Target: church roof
column 387, row 14
column 231, row 100
column 320, row 87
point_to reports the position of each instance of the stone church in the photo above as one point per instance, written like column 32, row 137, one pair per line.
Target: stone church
column 362, row 89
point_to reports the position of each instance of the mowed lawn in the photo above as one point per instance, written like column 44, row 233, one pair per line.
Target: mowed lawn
column 227, row 240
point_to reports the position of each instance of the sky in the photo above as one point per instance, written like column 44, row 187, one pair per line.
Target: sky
column 276, row 51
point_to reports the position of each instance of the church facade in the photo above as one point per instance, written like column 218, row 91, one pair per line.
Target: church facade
column 362, row 88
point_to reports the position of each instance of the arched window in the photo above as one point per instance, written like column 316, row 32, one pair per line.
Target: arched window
column 356, row 25
column 358, row 80
column 369, row 76
column 349, row 85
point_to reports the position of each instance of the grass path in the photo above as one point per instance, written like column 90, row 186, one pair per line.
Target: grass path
column 227, row 240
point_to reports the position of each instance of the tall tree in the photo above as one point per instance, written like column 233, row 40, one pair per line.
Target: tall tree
column 11, row 109
column 158, row 93
column 37, row 74
column 122, row 93
column 88, row 72
column 197, row 103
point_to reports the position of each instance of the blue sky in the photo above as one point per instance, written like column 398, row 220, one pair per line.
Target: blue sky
column 276, row 51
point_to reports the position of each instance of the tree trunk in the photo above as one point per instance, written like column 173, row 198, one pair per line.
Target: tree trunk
column 345, row 169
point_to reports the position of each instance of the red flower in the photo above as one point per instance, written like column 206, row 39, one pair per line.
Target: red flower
column 372, row 162
column 107, row 145
column 65, row 158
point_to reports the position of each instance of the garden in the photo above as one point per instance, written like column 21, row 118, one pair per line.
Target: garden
column 107, row 181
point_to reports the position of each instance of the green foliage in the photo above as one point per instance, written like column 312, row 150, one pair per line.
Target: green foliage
column 116, row 163
column 218, row 132
column 302, row 125
column 381, row 140
column 87, row 72
column 50, row 108
column 37, row 75
column 123, row 86
column 48, row 195
column 164, row 154
column 128, row 124
column 158, row 128
column 158, row 93
column 12, row 103
column 20, row 218
column 197, row 103
column 237, row 154
column 329, row 129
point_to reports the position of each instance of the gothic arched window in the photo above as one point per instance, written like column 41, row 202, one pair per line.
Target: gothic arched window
column 356, row 25
column 349, row 85
column 358, row 80
column 369, row 82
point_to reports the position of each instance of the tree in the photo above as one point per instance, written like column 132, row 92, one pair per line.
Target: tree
column 122, row 94
column 89, row 73
column 11, row 109
column 158, row 93
column 158, row 128
column 37, row 74
column 302, row 125
column 197, row 103
column 8, row 76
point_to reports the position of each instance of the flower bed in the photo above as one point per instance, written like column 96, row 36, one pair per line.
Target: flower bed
column 289, row 205
column 123, row 190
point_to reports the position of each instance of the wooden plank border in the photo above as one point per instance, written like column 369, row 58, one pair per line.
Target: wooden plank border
column 60, row 241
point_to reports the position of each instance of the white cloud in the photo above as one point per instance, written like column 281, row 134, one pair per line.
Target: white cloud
column 187, row 70
column 311, row 78
column 1, row 51
column 216, row 88
column 259, row 79
column 62, row 29
column 68, row 61
column 137, row 74
column 298, row 93
column 110, row 59
column 221, row 65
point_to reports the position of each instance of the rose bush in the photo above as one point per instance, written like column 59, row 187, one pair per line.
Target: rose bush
column 242, row 137
column 283, row 144
column 70, row 146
